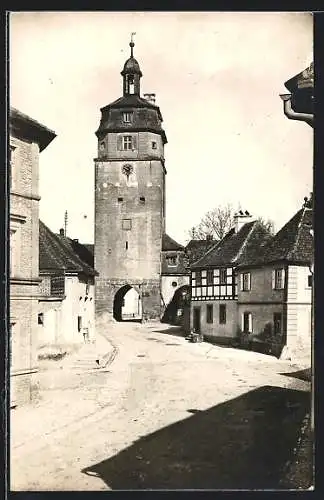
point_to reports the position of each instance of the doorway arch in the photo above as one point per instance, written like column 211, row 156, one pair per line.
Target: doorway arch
column 177, row 307
column 127, row 304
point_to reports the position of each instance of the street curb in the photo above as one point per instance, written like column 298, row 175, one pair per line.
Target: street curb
column 109, row 357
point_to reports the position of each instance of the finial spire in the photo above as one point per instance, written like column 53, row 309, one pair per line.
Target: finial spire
column 132, row 44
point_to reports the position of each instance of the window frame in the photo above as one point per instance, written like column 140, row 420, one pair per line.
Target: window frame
column 276, row 280
column 209, row 314
column 129, row 224
column 245, row 281
column 250, row 322
column 127, row 140
column 168, row 259
column 275, row 321
column 210, row 277
column 222, row 314
column 128, row 116
column 223, row 276
column 198, row 278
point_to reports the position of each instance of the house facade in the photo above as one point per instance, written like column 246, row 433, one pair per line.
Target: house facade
column 214, row 280
column 66, row 302
column 27, row 139
column 275, row 293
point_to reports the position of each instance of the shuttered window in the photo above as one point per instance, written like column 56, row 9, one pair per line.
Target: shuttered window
column 247, row 322
column 222, row 276
column 209, row 313
column 278, row 279
column 222, row 314
column 245, row 282
column 210, row 277
column 127, row 142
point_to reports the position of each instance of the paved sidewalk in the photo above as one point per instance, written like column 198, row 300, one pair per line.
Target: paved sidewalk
column 56, row 406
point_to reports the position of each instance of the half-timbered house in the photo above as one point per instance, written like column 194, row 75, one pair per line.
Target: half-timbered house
column 214, row 284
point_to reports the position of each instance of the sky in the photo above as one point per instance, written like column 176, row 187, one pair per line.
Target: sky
column 217, row 78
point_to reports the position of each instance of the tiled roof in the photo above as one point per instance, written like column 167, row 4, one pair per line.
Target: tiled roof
column 197, row 248
column 57, row 254
column 170, row 244
column 234, row 246
column 30, row 129
column 293, row 243
column 89, row 247
column 79, row 249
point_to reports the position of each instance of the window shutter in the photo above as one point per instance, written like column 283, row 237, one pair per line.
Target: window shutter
column 283, row 274
column 250, row 323
column 273, row 279
column 119, row 142
column 241, row 281
column 134, row 142
column 249, row 281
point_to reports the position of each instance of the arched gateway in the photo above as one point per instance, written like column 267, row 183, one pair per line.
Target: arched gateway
column 127, row 304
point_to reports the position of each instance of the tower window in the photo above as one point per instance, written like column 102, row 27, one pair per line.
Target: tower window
column 127, row 142
column 127, row 224
column 102, row 146
column 154, row 145
column 142, row 199
column 126, row 245
column 130, row 84
column 127, row 117
column 120, row 200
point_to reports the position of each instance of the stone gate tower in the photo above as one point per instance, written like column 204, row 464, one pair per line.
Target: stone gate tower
column 129, row 200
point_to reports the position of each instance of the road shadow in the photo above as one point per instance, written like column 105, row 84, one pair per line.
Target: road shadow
column 242, row 443
column 175, row 331
column 304, row 374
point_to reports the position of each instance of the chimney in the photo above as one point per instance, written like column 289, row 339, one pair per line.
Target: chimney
column 241, row 218
column 61, row 232
column 150, row 98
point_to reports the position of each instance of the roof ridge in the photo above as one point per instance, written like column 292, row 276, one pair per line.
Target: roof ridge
column 254, row 224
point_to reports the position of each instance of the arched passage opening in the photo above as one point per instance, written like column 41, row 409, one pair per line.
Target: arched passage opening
column 176, row 311
column 127, row 304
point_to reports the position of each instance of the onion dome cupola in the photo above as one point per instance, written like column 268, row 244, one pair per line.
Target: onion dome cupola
column 131, row 112
column 131, row 74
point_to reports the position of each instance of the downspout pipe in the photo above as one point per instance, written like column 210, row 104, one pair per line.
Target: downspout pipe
column 293, row 115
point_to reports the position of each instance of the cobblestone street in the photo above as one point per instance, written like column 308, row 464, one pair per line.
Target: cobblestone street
column 164, row 413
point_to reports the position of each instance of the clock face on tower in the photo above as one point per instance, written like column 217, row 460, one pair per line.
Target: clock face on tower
column 127, row 169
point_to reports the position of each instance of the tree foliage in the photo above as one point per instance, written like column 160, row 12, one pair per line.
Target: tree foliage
column 215, row 223
column 218, row 221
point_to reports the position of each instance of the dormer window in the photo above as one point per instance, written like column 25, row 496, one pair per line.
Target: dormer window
column 171, row 260
column 127, row 117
